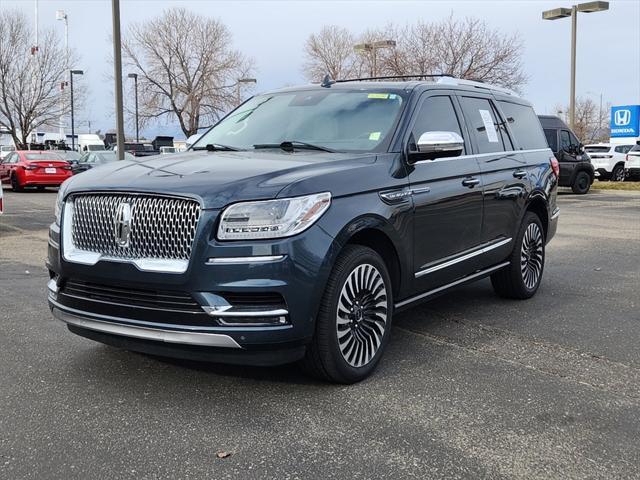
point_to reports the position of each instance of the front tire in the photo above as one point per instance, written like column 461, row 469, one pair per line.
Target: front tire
column 354, row 320
column 582, row 183
column 522, row 277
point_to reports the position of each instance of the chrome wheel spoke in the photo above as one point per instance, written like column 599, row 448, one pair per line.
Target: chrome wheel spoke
column 532, row 255
column 361, row 317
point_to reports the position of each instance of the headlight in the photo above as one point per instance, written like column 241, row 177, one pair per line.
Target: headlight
column 272, row 218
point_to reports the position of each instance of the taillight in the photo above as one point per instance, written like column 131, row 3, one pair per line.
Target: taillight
column 555, row 166
column 30, row 167
column 66, row 167
column 626, row 158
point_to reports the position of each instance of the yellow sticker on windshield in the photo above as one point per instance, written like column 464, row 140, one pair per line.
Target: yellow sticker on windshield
column 374, row 136
column 378, row 95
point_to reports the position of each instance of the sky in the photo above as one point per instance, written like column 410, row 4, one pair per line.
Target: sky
column 273, row 33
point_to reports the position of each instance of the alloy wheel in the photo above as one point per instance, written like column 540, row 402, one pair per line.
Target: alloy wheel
column 362, row 315
column 531, row 256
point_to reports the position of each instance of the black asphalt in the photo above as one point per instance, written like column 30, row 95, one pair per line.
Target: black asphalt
column 472, row 386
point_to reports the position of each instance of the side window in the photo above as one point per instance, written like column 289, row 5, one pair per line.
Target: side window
column 483, row 124
column 436, row 115
column 525, row 125
column 623, row 148
column 568, row 140
column 552, row 138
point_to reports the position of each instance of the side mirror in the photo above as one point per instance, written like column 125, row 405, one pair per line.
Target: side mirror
column 432, row 145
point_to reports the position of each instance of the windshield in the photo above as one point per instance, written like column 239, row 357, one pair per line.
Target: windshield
column 94, row 148
column 337, row 120
column 110, row 156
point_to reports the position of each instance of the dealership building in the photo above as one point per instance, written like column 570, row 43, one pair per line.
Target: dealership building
column 625, row 124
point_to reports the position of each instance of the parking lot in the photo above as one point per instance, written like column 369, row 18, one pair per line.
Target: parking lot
column 472, row 386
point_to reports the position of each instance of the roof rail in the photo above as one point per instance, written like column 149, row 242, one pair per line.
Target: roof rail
column 442, row 78
column 394, row 77
column 474, row 83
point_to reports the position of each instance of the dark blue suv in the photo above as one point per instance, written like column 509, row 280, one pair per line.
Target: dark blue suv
column 298, row 225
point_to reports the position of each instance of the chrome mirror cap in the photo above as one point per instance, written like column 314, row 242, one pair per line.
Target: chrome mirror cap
column 435, row 142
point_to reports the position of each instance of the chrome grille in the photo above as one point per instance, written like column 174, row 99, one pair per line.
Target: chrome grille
column 160, row 227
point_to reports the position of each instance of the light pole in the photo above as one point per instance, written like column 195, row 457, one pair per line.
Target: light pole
column 242, row 80
column 599, row 111
column 135, row 82
column 557, row 13
column 73, row 136
column 117, row 67
column 60, row 15
column 373, row 47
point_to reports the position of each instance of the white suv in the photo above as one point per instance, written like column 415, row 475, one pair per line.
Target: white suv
column 608, row 160
column 632, row 168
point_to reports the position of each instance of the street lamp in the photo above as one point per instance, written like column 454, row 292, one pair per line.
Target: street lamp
column 243, row 80
column 117, row 73
column 558, row 13
column 73, row 135
column 135, row 80
column 373, row 47
column 60, row 15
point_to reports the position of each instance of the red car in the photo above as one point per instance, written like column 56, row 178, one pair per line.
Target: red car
column 34, row 168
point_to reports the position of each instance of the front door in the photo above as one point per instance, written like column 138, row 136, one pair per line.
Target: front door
column 447, row 196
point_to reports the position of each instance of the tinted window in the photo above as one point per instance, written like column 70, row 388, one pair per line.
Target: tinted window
column 623, row 148
column 525, row 126
column 552, row 138
column 436, row 115
column 568, row 141
column 482, row 122
column 598, row 149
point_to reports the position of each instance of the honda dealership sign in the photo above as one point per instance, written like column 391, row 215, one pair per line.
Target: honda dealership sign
column 625, row 121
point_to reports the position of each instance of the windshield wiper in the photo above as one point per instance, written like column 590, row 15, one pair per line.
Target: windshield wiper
column 289, row 145
column 217, row 147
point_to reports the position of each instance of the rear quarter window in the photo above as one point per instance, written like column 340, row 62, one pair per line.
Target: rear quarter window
column 551, row 135
column 524, row 125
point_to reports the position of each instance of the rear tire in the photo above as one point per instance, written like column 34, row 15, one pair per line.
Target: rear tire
column 618, row 174
column 354, row 320
column 582, row 183
column 522, row 277
column 15, row 184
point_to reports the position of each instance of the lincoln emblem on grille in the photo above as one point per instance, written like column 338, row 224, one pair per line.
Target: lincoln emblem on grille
column 122, row 224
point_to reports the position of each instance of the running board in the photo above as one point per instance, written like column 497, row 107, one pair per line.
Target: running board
column 460, row 281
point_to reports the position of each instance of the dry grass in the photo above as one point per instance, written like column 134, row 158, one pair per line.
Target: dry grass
column 616, row 185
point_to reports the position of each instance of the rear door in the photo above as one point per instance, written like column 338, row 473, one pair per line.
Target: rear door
column 447, row 196
column 504, row 175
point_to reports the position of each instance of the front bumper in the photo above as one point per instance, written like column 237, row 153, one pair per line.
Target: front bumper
column 216, row 272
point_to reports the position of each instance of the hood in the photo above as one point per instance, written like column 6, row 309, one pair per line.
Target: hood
column 220, row 178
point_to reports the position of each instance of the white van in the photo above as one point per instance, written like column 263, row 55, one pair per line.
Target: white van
column 90, row 142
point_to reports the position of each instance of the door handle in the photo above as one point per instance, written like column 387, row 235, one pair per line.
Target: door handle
column 471, row 182
column 520, row 173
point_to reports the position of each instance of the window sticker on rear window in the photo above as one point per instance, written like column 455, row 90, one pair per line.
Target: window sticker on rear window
column 374, row 136
column 489, row 127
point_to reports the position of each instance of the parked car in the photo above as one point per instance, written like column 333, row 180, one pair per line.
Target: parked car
column 632, row 168
column 90, row 142
column 608, row 160
column 38, row 168
column 138, row 149
column 576, row 170
column 6, row 150
column 95, row 159
column 303, row 221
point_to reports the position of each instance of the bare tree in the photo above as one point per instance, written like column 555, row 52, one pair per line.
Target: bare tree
column 591, row 121
column 466, row 48
column 330, row 51
column 186, row 68
column 30, row 85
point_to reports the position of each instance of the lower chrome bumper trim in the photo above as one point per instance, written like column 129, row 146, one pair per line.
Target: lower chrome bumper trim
column 170, row 336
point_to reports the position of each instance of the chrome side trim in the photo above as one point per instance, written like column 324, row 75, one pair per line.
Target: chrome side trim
column 462, row 258
column 452, row 284
column 237, row 260
column 215, row 311
column 54, row 244
column 555, row 214
column 156, row 334
column 481, row 155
